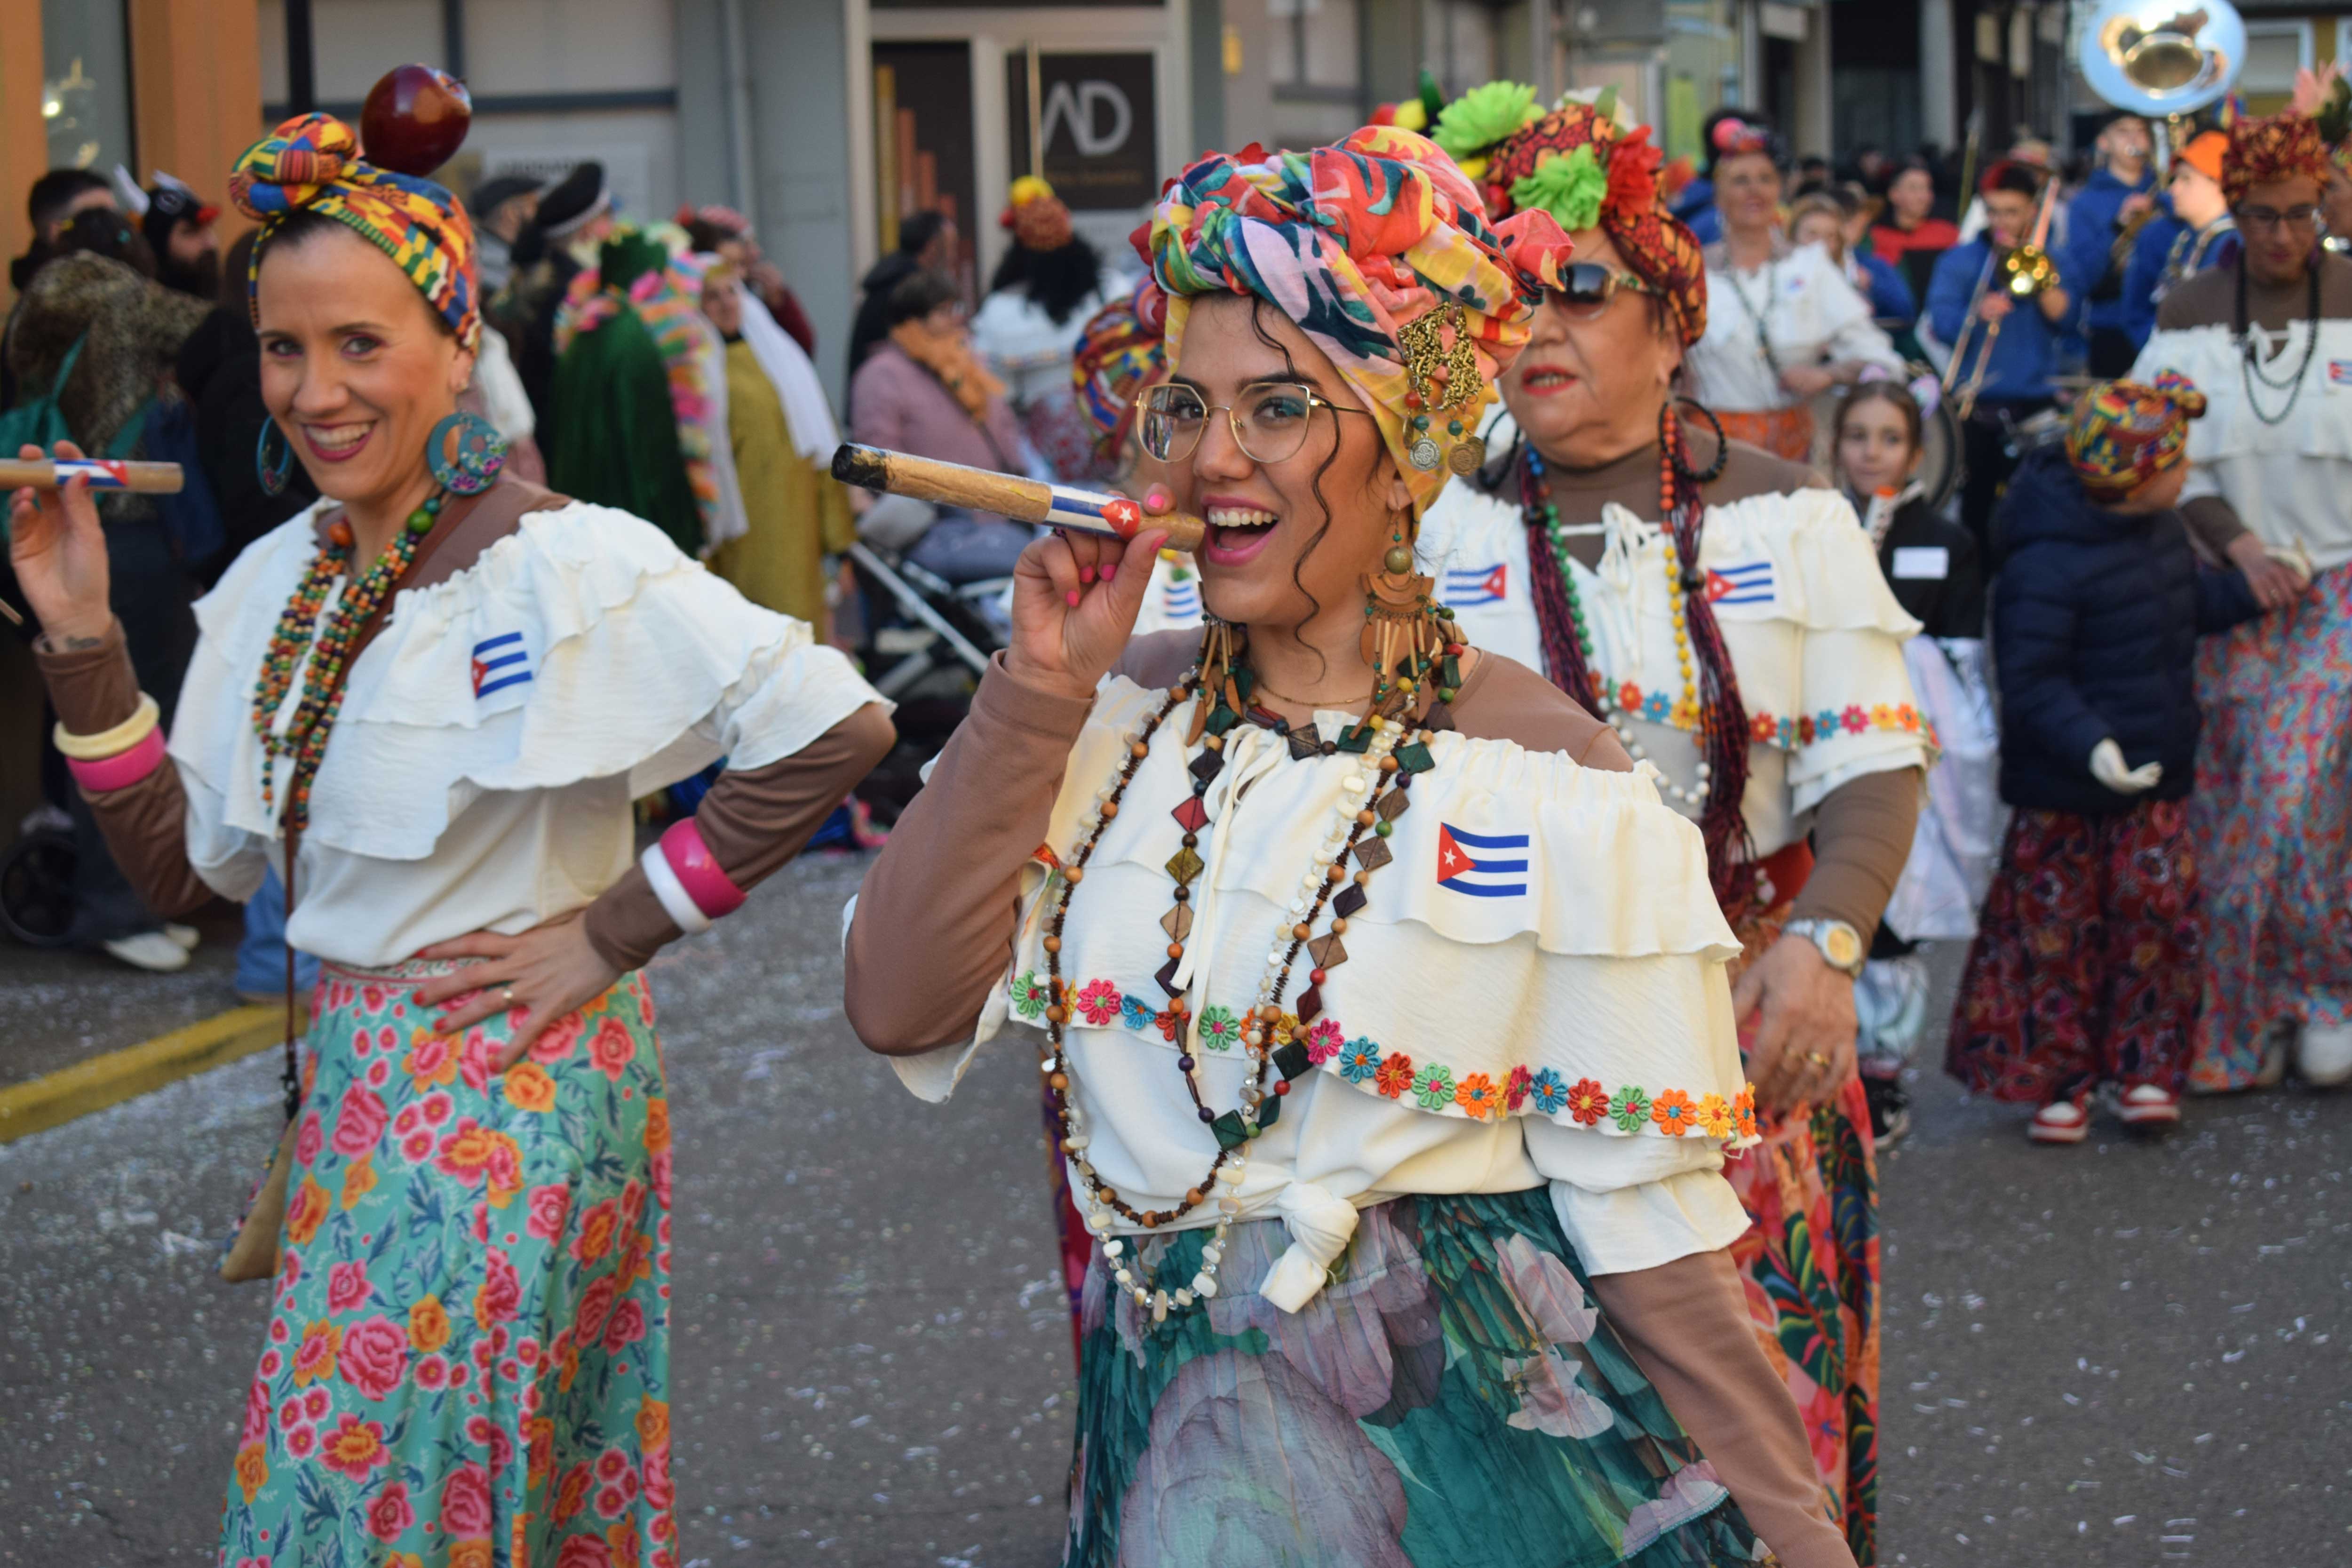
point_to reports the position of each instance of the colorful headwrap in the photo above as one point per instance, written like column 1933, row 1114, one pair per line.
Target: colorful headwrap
column 1122, row 351
column 1380, row 249
column 2264, row 151
column 1587, row 168
column 2123, row 434
column 1733, row 137
column 1035, row 215
column 312, row 163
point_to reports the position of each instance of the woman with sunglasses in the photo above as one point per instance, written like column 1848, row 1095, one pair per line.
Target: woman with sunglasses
column 1730, row 623
column 1382, row 1003
column 2265, row 339
column 1786, row 326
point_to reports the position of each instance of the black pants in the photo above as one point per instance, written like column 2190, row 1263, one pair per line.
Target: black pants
column 1986, row 445
column 150, row 597
column 2112, row 353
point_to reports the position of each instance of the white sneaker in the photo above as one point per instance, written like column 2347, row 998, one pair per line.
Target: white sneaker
column 2324, row 1056
column 186, row 937
column 151, row 951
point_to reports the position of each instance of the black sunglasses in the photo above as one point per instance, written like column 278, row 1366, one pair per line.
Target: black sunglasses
column 1586, row 287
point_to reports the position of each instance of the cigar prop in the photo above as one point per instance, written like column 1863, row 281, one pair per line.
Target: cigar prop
column 103, row 474
column 1008, row 495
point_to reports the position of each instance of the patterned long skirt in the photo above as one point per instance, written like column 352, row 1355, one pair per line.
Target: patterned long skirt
column 2271, row 822
column 1810, row 1263
column 1454, row 1398
column 2083, row 969
column 468, row 1359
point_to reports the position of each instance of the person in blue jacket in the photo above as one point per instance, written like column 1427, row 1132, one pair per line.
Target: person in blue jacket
column 2023, row 356
column 2192, row 232
column 2119, row 193
column 2085, row 971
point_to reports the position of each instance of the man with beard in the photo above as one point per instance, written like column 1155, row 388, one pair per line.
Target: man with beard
column 179, row 229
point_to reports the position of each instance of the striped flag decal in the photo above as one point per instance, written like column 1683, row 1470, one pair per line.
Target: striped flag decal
column 499, row 662
column 1483, row 865
column 1748, row 583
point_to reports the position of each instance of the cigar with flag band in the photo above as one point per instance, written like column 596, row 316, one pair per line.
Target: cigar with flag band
column 103, row 474
column 1009, row 495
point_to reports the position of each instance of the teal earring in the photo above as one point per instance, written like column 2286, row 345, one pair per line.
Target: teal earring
column 273, row 472
column 480, row 452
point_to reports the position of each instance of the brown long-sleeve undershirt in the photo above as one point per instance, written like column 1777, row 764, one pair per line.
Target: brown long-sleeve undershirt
column 753, row 820
column 941, row 903
column 1862, row 829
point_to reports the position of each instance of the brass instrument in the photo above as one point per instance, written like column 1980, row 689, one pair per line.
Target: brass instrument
column 2024, row 272
column 2163, row 59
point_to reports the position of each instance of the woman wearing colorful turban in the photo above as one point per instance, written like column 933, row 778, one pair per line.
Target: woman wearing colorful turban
column 1728, row 620
column 468, row 1334
column 2271, row 464
column 1049, row 284
column 1396, row 1259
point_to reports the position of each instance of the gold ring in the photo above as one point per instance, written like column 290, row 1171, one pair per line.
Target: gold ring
column 1815, row 1058
column 508, row 992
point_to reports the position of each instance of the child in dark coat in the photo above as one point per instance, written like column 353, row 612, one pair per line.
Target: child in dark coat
column 2085, row 967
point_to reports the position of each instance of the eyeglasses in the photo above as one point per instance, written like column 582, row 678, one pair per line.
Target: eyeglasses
column 1586, row 287
column 1269, row 421
column 2304, row 217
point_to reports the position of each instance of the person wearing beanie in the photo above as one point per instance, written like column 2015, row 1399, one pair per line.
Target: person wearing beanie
column 178, row 226
column 2269, row 338
column 563, row 239
column 503, row 207
column 2102, row 221
column 2194, row 231
column 2084, row 972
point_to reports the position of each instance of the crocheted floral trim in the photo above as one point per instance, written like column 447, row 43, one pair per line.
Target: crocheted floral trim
column 1660, row 707
column 1429, row 1086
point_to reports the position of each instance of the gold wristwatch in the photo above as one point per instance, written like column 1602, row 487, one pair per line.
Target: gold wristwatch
column 1840, row 944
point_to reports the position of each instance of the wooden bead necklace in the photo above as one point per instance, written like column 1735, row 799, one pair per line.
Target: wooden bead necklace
column 1369, row 802
column 322, row 685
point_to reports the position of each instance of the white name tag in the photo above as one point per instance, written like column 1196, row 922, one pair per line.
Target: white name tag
column 1932, row 561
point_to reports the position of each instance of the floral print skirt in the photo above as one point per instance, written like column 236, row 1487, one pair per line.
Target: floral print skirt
column 468, row 1359
column 1811, row 1265
column 1454, row 1398
column 2272, row 823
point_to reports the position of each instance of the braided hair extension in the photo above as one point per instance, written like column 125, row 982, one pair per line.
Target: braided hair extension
column 1563, row 650
column 1723, row 717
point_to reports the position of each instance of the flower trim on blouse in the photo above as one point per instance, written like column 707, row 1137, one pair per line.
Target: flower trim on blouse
column 1429, row 1086
column 1787, row 734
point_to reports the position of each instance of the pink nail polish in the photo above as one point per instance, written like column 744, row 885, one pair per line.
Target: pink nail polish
column 1158, row 499
column 1109, row 570
column 1085, row 573
column 1073, row 597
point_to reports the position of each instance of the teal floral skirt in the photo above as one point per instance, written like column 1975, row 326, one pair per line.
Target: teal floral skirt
column 1454, row 1398
column 467, row 1358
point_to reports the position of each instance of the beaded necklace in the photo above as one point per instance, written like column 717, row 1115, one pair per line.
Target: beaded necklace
column 322, row 685
column 1371, row 800
column 2253, row 370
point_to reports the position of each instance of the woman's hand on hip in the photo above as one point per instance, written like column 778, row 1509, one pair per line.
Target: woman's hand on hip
column 1075, row 600
column 58, row 547
column 1802, row 1053
column 547, row 973
column 2275, row 583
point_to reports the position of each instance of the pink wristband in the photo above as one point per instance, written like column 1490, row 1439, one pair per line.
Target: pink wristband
column 123, row 769
column 698, row 870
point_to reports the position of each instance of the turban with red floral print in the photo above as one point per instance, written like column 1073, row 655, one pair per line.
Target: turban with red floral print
column 2262, row 151
column 1123, row 350
column 1361, row 244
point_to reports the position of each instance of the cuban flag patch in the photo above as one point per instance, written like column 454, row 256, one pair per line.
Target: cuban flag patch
column 1483, row 865
column 2339, row 372
column 1467, row 585
column 499, row 662
column 1180, row 596
column 1747, row 582
column 1091, row 512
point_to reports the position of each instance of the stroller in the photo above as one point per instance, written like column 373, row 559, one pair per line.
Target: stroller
column 924, row 642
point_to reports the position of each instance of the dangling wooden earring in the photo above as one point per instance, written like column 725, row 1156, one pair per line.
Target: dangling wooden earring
column 1406, row 639
column 1224, row 679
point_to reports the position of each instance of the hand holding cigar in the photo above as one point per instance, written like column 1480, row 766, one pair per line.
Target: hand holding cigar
column 1064, row 507
column 58, row 545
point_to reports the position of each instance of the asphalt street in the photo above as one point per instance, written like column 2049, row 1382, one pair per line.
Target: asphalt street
column 2111, row 1354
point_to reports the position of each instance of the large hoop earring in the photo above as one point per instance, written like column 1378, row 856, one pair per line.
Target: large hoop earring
column 1722, row 442
column 480, row 453
column 273, row 472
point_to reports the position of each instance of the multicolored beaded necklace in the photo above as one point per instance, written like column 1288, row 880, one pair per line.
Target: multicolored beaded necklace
column 1369, row 802
column 322, row 684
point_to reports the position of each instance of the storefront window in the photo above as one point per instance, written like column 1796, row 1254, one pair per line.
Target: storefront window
column 1702, row 69
column 1457, row 43
column 86, row 83
column 1312, row 46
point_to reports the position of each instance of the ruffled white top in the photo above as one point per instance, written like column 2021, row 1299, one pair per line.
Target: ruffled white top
column 1815, row 637
column 493, row 735
column 2288, row 480
column 1810, row 313
column 1473, row 1041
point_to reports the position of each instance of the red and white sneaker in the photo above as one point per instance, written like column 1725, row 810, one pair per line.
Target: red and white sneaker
column 2145, row 1108
column 2061, row 1121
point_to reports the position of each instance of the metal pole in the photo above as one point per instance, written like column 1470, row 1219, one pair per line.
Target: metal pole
column 1037, row 116
column 302, row 60
column 742, row 184
column 453, row 37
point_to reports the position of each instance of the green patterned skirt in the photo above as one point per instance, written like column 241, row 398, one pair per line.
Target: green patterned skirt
column 1455, row 1398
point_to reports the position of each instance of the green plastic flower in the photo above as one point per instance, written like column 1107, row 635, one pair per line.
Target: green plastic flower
column 1218, row 1028
column 1434, row 1088
column 1030, row 996
column 1484, row 116
column 1630, row 1110
column 1571, row 188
